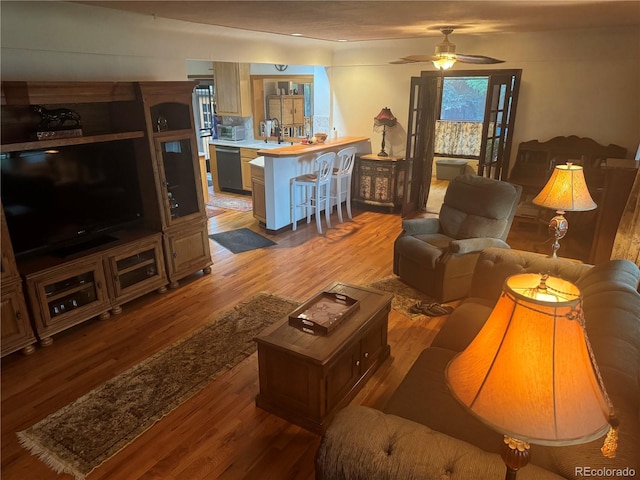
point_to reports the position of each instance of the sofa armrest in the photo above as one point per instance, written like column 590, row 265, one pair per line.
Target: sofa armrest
column 417, row 226
column 363, row 444
column 468, row 245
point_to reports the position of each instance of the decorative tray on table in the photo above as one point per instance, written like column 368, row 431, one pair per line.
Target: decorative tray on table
column 321, row 314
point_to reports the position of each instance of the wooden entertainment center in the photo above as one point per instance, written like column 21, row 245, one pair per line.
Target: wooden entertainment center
column 48, row 291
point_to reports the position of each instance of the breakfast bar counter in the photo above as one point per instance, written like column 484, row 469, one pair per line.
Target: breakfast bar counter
column 282, row 164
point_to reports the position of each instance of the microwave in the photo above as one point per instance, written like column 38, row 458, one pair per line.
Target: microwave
column 231, row 132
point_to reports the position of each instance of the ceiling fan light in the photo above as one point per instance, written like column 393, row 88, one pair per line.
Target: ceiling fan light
column 444, row 61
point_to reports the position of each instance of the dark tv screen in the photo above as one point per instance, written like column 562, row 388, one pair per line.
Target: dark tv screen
column 69, row 196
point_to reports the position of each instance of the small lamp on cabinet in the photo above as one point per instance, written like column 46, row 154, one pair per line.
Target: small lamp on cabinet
column 384, row 119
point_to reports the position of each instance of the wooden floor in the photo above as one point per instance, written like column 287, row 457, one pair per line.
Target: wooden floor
column 219, row 433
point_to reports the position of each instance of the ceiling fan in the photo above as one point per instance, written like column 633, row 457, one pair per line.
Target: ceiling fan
column 445, row 55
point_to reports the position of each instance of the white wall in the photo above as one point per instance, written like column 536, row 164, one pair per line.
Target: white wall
column 584, row 83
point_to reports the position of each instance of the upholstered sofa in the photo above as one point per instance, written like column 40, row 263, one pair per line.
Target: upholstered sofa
column 424, row 433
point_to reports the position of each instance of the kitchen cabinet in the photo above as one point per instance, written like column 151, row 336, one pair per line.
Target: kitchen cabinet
column 289, row 110
column 232, row 86
column 246, row 155
column 258, row 193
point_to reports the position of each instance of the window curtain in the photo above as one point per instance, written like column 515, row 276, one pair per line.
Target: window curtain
column 458, row 138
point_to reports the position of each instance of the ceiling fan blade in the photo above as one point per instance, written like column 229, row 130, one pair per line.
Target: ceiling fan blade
column 478, row 59
column 418, row 58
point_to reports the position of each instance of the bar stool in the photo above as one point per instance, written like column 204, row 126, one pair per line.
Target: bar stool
column 316, row 188
column 345, row 158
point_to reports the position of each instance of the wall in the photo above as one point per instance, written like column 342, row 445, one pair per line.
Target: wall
column 585, row 83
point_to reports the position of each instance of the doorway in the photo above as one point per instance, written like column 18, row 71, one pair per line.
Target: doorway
column 489, row 138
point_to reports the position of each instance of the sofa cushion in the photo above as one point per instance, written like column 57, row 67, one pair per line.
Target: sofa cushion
column 365, row 444
column 423, row 396
column 463, row 324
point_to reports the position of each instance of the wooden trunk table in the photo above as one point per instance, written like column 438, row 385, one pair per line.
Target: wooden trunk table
column 306, row 378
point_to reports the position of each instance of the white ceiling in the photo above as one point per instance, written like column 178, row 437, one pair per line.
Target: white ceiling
column 390, row 19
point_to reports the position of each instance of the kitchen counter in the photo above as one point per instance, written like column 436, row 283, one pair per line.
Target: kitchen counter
column 303, row 148
column 251, row 143
column 284, row 163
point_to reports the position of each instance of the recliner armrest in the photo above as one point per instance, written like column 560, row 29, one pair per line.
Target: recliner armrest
column 415, row 226
column 468, row 245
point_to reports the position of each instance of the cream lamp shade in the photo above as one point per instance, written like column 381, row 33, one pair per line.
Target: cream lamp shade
column 529, row 373
column 566, row 191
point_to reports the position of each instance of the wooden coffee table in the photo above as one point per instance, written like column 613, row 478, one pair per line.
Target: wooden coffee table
column 306, row 378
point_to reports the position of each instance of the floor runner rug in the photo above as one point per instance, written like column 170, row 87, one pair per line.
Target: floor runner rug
column 85, row 433
column 404, row 296
column 240, row 203
column 241, row 240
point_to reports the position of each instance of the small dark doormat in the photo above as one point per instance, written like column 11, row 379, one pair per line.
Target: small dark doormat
column 241, row 240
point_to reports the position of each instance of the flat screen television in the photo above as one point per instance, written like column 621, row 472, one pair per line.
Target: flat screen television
column 63, row 200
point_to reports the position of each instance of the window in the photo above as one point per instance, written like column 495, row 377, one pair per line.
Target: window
column 459, row 128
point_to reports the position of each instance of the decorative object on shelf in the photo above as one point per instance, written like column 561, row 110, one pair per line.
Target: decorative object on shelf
column 566, row 191
column 320, row 137
column 530, row 372
column 162, row 125
column 384, row 119
column 281, row 68
column 57, row 123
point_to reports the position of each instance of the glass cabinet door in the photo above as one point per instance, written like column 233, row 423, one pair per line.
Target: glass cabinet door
column 180, row 178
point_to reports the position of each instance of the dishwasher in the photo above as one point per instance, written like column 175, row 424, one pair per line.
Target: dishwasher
column 229, row 168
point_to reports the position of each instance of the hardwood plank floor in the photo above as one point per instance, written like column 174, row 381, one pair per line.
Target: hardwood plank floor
column 219, row 433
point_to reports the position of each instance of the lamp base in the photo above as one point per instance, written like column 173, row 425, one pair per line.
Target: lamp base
column 558, row 226
column 515, row 455
column 383, row 154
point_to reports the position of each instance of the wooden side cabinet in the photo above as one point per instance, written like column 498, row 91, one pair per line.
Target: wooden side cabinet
column 15, row 328
column 289, row 110
column 246, row 155
column 378, row 182
column 134, row 270
column 187, row 250
column 308, row 378
column 66, row 295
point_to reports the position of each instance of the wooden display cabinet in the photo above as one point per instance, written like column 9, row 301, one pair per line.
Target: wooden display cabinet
column 66, row 295
column 135, row 269
column 232, row 88
column 176, row 177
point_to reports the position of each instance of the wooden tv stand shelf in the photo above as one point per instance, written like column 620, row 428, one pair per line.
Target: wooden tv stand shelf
column 88, row 151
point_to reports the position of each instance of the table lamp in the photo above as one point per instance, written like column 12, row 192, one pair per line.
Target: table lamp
column 566, row 191
column 385, row 119
column 530, row 372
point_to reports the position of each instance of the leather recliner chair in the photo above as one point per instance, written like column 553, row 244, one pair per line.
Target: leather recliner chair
column 438, row 255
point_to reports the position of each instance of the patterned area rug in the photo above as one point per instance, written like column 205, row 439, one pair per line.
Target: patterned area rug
column 213, row 212
column 85, row 433
column 404, row 296
column 240, row 203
